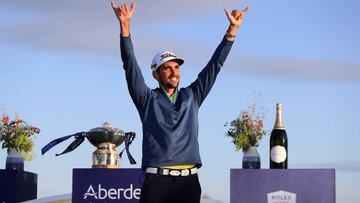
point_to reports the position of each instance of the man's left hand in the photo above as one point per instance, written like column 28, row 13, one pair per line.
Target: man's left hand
column 236, row 16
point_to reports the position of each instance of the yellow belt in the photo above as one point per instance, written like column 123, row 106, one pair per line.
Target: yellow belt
column 179, row 167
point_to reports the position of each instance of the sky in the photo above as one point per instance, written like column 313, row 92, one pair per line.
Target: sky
column 60, row 70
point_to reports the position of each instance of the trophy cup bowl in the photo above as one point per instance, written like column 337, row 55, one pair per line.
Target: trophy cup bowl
column 97, row 136
column 105, row 139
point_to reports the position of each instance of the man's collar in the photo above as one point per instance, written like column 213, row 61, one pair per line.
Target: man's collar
column 172, row 97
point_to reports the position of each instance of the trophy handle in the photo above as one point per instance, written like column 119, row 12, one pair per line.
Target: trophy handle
column 129, row 138
column 71, row 147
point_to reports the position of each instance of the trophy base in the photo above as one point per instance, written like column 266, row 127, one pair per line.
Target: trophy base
column 105, row 166
column 106, row 156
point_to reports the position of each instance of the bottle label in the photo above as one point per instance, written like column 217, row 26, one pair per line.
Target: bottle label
column 278, row 154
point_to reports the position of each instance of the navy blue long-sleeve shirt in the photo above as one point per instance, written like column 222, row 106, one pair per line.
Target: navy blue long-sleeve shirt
column 170, row 132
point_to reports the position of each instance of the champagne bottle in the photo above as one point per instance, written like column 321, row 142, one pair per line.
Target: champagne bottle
column 278, row 143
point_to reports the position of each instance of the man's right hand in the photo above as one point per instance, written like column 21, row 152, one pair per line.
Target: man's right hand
column 124, row 15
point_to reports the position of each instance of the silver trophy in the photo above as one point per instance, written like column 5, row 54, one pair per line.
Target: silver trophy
column 105, row 139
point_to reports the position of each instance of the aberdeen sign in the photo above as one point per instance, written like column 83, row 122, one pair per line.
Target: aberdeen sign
column 106, row 185
column 112, row 193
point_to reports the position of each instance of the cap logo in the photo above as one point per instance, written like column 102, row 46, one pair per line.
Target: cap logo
column 167, row 55
column 153, row 66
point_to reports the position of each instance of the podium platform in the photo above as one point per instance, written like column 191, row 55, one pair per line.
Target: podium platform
column 106, row 185
column 17, row 186
column 282, row 185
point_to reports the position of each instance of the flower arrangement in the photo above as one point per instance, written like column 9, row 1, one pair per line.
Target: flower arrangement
column 18, row 135
column 247, row 130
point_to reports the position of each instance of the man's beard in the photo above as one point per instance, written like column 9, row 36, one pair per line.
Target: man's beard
column 169, row 85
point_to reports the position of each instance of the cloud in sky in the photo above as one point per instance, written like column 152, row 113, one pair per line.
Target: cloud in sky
column 299, row 69
column 75, row 36
column 350, row 166
column 146, row 10
column 82, row 23
column 89, row 27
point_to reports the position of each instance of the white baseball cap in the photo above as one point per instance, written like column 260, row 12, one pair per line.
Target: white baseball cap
column 164, row 57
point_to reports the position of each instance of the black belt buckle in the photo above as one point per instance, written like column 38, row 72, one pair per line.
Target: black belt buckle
column 160, row 171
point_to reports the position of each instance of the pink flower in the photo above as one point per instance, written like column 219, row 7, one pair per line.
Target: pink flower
column 18, row 121
column 5, row 119
column 34, row 129
column 244, row 116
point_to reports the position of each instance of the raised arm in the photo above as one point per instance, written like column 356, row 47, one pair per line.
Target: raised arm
column 124, row 15
column 235, row 19
column 134, row 78
column 206, row 78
